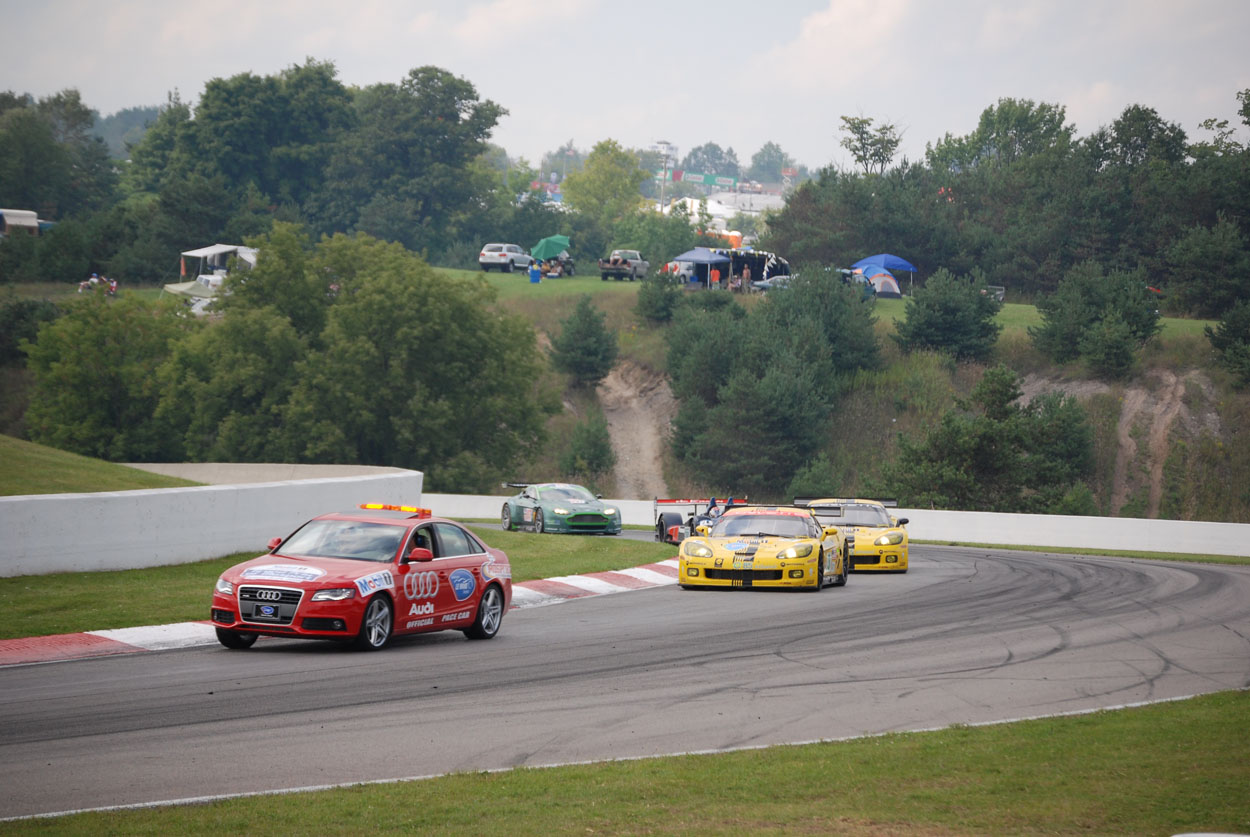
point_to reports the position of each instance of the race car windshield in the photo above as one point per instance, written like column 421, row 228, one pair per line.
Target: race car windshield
column 567, row 492
column 778, row 525
column 859, row 515
column 357, row 540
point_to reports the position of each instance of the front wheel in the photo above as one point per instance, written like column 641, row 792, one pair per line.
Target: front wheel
column 489, row 615
column 237, row 640
column 505, row 518
column 375, row 628
column 820, row 575
column 538, row 521
column 839, row 580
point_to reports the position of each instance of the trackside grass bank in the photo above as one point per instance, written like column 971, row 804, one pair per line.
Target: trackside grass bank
column 1160, row 769
column 60, row 603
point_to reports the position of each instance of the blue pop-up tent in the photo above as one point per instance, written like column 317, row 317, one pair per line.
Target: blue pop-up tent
column 703, row 256
column 887, row 261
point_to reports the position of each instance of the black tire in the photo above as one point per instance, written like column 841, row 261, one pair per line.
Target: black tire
column 846, row 551
column 603, row 277
column 236, row 640
column 489, row 614
column 485, row 267
column 505, row 518
column 820, row 575
column 667, row 520
column 840, row 579
column 507, row 266
column 633, row 274
column 377, row 625
column 538, row 521
column 572, row 270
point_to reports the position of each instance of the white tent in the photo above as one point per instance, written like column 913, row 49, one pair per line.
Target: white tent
column 210, row 272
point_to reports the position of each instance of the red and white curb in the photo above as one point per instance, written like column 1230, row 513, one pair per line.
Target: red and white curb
column 538, row 593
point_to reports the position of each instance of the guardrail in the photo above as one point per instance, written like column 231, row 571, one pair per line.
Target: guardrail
column 130, row 529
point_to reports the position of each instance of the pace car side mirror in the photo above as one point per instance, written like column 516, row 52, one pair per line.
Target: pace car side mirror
column 420, row 553
column 274, row 543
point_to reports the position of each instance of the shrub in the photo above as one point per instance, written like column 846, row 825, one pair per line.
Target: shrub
column 951, row 314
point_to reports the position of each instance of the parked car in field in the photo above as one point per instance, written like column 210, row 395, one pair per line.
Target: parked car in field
column 624, row 264
column 504, row 257
column 363, row 576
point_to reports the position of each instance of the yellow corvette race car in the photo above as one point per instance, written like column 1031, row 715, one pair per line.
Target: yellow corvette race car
column 873, row 539
column 763, row 546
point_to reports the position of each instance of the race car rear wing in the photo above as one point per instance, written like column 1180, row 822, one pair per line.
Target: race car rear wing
column 695, row 504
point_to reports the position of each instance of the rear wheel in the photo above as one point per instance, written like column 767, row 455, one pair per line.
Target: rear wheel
column 507, row 266
column 603, row 277
column 375, row 628
column 538, row 521
column 840, row 579
column 505, row 518
column 238, row 640
column 489, row 615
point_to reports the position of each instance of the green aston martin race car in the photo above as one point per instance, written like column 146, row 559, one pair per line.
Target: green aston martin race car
column 559, row 507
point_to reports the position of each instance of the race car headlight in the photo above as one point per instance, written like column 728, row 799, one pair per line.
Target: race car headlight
column 889, row 539
column 558, row 510
column 697, row 550
column 336, row 594
column 610, row 512
column 800, row 551
column 225, row 587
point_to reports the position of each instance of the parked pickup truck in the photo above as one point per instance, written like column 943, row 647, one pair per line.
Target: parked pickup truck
column 623, row 264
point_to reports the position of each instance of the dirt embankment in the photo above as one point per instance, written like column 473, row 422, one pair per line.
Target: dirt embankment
column 639, row 408
column 1152, row 412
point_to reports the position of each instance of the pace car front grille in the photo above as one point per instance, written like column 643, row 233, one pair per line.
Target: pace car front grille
column 268, row 605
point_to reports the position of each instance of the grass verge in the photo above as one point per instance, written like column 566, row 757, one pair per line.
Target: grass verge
column 60, row 603
column 1160, row 769
column 27, row 468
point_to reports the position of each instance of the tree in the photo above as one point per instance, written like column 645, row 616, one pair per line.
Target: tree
column 1139, row 136
column 991, row 454
column 584, row 349
column 418, row 371
column 399, row 173
column 95, row 385
column 1010, row 130
column 712, row 159
column 1231, row 341
column 284, row 281
column 767, row 163
column 589, row 453
column 1210, row 267
column 607, row 186
column 951, row 314
column 1091, row 312
column 872, row 148
column 224, row 387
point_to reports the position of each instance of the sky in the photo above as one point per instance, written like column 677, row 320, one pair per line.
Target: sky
column 738, row 73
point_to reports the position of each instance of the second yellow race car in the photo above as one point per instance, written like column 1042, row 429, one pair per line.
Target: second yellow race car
column 873, row 539
column 763, row 546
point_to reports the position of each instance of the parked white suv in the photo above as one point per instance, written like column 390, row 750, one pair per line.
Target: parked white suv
column 505, row 257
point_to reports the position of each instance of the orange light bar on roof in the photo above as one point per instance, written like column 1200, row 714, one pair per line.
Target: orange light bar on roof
column 419, row 512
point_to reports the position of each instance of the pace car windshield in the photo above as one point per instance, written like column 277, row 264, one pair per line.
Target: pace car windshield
column 777, row 525
column 354, row 539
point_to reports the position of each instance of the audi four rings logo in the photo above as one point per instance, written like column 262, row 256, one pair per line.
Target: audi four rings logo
column 421, row 585
column 268, row 595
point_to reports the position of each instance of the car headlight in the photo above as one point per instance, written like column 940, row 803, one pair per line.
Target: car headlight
column 336, row 594
column 610, row 512
column 225, row 587
column 889, row 539
column 800, row 551
column 558, row 510
column 696, row 550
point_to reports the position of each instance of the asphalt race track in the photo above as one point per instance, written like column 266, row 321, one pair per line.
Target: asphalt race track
column 968, row 635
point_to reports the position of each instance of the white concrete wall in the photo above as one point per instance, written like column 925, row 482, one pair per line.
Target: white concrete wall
column 46, row 533
column 128, row 529
column 978, row 527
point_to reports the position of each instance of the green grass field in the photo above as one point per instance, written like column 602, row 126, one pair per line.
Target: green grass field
column 27, row 468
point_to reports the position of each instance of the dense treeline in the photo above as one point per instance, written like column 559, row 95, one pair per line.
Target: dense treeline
column 1024, row 200
column 342, row 345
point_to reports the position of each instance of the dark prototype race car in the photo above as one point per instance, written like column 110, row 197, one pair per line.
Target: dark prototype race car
column 364, row 576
